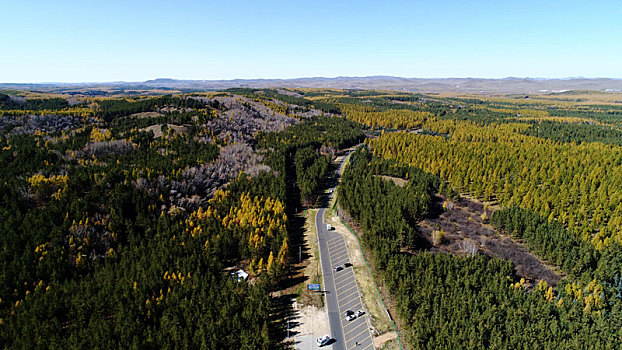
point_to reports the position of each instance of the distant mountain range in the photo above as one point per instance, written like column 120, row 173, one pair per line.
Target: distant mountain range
column 471, row 85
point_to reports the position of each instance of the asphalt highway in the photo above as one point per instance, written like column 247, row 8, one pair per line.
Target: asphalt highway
column 340, row 288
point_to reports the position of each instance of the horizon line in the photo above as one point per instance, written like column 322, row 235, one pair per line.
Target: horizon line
column 301, row 78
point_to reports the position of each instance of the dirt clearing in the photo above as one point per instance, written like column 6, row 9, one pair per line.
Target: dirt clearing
column 157, row 129
column 146, row 115
column 463, row 229
column 309, row 320
column 398, row 181
column 386, row 340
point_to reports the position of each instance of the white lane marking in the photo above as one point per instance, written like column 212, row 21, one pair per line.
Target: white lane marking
column 347, row 290
column 347, row 335
column 347, row 283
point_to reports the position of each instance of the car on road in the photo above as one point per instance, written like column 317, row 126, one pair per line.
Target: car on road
column 338, row 268
column 350, row 317
column 323, row 340
column 360, row 313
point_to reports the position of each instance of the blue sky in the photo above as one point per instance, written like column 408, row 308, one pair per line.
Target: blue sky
column 85, row 41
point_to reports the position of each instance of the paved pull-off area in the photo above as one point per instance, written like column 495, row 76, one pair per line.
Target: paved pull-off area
column 341, row 290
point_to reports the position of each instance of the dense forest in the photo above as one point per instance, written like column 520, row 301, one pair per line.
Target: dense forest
column 577, row 184
column 121, row 224
column 469, row 302
column 551, row 165
column 124, row 217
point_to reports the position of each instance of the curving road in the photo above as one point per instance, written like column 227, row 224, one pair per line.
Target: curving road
column 340, row 287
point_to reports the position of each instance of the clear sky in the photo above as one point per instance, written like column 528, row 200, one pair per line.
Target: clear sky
column 136, row 40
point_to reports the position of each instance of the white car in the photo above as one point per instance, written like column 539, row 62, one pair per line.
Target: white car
column 323, row 340
column 360, row 313
column 350, row 317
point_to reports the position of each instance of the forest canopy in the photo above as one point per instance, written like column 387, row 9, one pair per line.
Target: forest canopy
column 123, row 217
column 121, row 224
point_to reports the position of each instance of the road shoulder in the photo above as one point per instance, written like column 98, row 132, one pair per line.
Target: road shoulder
column 310, row 318
column 384, row 335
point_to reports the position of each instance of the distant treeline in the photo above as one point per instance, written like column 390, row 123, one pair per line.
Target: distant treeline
column 35, row 104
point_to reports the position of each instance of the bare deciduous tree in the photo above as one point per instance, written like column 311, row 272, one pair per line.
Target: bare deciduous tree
column 468, row 247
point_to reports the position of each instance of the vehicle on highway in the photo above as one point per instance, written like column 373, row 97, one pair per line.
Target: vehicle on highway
column 338, row 268
column 323, row 340
column 350, row 317
column 360, row 313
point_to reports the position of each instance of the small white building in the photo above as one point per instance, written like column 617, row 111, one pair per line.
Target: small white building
column 240, row 275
